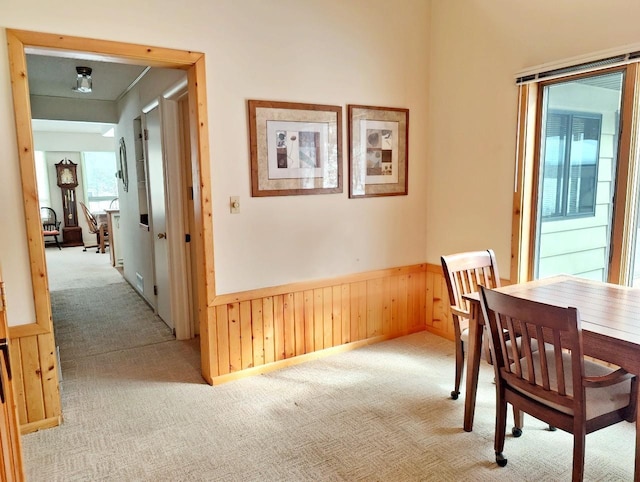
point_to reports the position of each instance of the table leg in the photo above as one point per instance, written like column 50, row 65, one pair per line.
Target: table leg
column 102, row 238
column 473, row 366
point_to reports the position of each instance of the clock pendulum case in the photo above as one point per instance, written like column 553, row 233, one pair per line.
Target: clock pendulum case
column 68, row 181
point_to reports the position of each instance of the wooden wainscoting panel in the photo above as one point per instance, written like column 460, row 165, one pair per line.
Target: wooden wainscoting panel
column 417, row 318
column 274, row 326
column 280, row 335
column 345, row 313
column 49, row 376
column 392, row 315
column 299, row 323
column 18, row 382
column 246, row 335
column 318, row 312
column 268, row 330
column 336, row 315
column 308, row 321
column 208, row 350
column 257, row 331
column 374, row 307
column 32, row 379
column 222, row 329
column 235, row 337
column 327, row 316
column 437, row 303
column 403, row 303
column 35, row 379
column 359, row 311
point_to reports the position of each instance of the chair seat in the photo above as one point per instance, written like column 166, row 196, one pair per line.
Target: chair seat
column 51, row 233
column 598, row 400
column 534, row 345
column 464, row 335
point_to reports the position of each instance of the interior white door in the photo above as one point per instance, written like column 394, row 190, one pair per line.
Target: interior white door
column 158, row 215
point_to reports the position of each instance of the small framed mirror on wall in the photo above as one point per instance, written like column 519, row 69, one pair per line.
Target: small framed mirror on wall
column 123, row 173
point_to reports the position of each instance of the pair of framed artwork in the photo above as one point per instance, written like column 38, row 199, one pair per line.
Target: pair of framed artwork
column 297, row 149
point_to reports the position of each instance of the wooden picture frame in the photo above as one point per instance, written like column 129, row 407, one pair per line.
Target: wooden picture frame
column 295, row 148
column 378, row 151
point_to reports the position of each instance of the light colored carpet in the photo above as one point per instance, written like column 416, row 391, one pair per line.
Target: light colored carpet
column 90, row 321
column 379, row 413
column 94, row 309
column 72, row 268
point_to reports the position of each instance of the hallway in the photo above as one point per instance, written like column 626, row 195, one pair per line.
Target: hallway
column 94, row 309
column 113, row 352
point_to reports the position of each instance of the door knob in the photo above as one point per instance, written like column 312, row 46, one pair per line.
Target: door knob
column 162, row 235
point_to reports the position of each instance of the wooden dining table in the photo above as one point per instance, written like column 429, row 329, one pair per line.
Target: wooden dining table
column 610, row 320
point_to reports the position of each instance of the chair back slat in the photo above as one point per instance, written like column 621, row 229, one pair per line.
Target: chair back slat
column 555, row 330
column 509, row 332
column 465, row 272
column 49, row 219
column 557, row 347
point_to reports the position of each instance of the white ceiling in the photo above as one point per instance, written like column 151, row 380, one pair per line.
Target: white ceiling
column 55, row 76
column 40, row 125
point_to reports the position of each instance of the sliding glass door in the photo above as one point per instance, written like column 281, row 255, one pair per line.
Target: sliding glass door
column 577, row 161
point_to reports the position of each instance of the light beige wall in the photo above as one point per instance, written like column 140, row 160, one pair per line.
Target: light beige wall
column 136, row 241
column 477, row 48
column 14, row 258
column 368, row 52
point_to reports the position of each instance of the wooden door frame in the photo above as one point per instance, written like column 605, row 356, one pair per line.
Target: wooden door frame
column 526, row 181
column 21, row 42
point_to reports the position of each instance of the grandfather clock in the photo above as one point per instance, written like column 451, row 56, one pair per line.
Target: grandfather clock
column 68, row 181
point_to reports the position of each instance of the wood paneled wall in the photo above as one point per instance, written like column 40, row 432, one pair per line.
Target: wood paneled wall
column 438, row 314
column 35, row 378
column 261, row 330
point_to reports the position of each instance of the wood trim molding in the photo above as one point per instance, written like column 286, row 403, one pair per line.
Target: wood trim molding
column 36, row 346
column 106, row 50
column 40, row 425
column 306, row 285
column 521, row 225
column 35, row 241
column 626, row 191
column 32, row 329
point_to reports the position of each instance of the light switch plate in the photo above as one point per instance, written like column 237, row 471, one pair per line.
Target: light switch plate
column 234, row 204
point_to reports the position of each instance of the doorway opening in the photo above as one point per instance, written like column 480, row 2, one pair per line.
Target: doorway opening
column 21, row 43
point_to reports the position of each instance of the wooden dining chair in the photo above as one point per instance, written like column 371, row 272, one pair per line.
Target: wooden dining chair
column 50, row 224
column 463, row 273
column 555, row 384
column 97, row 228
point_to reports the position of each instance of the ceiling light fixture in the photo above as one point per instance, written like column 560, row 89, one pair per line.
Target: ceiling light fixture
column 84, row 83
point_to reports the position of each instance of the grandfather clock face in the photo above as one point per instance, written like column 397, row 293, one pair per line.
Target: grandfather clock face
column 67, row 174
column 68, row 181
